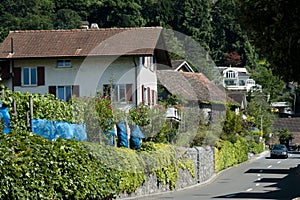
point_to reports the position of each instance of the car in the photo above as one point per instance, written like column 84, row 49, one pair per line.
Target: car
column 279, row 150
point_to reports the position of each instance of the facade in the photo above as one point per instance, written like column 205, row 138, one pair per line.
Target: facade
column 237, row 78
column 119, row 62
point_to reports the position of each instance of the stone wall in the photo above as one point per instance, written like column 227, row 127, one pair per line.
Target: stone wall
column 204, row 165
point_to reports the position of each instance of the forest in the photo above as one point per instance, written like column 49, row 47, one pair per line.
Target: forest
column 260, row 35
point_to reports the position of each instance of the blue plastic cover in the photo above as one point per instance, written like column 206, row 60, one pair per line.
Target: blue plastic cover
column 136, row 132
column 44, row 128
column 111, row 137
column 5, row 119
column 52, row 131
column 122, row 134
column 136, row 136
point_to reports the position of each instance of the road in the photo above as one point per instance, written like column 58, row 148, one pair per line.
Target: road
column 260, row 178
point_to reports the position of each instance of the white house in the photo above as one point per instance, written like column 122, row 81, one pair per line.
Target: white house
column 119, row 62
column 237, row 78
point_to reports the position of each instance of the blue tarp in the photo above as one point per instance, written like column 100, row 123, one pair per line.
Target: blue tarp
column 136, row 136
column 52, row 131
column 122, row 134
column 5, row 119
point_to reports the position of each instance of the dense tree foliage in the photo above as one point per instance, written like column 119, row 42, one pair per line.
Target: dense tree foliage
column 274, row 27
column 214, row 25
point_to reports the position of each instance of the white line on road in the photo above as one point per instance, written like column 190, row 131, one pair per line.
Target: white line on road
column 278, row 162
column 269, row 166
column 250, row 189
column 231, row 195
column 257, row 184
column 258, row 175
column 258, row 179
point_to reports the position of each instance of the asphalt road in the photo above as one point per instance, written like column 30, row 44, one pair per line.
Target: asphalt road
column 260, row 178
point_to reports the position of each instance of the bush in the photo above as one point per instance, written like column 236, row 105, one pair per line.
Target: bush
column 32, row 167
column 228, row 154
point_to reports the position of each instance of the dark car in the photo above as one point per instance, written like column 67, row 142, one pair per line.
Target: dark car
column 279, row 150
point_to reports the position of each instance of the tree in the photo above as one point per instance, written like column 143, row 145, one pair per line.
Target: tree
column 259, row 112
column 67, row 19
column 228, row 35
column 284, row 136
column 274, row 28
column 270, row 83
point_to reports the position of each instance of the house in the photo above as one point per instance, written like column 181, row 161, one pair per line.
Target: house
column 181, row 66
column 293, row 126
column 195, row 89
column 237, row 78
column 119, row 62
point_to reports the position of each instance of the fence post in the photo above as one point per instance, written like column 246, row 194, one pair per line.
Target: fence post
column 30, row 117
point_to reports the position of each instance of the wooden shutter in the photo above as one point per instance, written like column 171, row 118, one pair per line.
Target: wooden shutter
column 41, row 75
column 106, row 90
column 52, row 90
column 153, row 97
column 143, row 95
column 129, row 93
column 17, row 76
column 5, row 72
column 75, row 90
column 149, row 95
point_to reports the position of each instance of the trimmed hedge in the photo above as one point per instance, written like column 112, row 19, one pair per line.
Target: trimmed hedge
column 228, row 154
column 32, row 167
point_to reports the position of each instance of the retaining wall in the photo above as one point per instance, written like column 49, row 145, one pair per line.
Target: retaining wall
column 204, row 165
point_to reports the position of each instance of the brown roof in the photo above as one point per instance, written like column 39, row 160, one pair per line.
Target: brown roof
column 292, row 124
column 81, row 42
column 191, row 86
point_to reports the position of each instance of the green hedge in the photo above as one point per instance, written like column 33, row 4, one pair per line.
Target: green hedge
column 228, row 154
column 32, row 167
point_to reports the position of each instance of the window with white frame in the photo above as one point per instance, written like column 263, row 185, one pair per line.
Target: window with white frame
column 118, row 92
column 64, row 63
column 146, row 61
column 230, row 74
column 64, row 92
column 29, row 76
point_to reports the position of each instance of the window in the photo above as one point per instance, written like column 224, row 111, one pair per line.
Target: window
column 29, row 76
column 146, row 61
column 230, row 74
column 64, row 92
column 119, row 92
column 64, row 63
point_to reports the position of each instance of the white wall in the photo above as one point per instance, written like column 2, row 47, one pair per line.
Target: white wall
column 91, row 73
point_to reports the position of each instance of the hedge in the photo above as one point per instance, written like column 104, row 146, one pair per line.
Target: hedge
column 32, row 167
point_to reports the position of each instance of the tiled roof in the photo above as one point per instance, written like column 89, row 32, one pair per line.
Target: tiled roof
column 292, row 124
column 81, row 42
column 191, row 86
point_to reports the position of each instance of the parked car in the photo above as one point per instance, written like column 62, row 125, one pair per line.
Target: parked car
column 279, row 150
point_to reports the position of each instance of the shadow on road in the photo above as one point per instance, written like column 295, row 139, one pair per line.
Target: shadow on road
column 287, row 187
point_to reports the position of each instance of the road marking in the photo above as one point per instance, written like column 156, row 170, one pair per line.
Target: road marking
column 259, row 179
column 278, row 162
column 258, row 175
column 257, row 184
column 250, row 189
column 269, row 166
column 231, row 195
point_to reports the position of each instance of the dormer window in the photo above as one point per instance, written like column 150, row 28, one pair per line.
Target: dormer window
column 146, row 61
column 230, row 74
column 64, row 63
